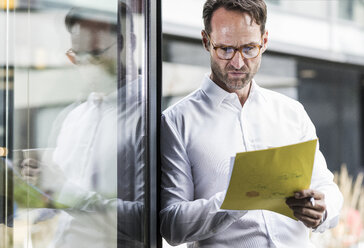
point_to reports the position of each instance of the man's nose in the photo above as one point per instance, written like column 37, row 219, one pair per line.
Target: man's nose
column 237, row 61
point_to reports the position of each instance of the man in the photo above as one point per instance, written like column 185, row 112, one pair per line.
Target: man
column 230, row 113
column 97, row 167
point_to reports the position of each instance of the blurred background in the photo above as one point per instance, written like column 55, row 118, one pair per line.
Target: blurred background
column 315, row 55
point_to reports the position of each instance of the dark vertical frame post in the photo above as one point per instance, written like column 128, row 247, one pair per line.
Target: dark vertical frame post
column 154, row 78
column 361, row 87
column 3, row 200
column 121, row 106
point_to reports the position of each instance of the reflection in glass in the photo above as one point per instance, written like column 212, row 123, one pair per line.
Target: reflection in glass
column 79, row 152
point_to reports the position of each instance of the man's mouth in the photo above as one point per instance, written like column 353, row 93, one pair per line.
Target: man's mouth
column 237, row 73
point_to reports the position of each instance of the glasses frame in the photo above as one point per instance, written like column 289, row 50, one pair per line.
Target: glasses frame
column 94, row 56
column 240, row 49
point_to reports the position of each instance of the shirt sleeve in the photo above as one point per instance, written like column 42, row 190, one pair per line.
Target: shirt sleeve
column 183, row 218
column 111, row 214
column 322, row 180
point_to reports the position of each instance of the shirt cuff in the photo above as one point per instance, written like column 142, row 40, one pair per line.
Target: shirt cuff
column 71, row 194
column 235, row 214
column 324, row 225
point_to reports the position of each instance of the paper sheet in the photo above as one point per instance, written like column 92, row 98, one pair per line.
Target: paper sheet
column 263, row 179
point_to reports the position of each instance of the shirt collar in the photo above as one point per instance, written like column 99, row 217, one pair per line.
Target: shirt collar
column 217, row 94
column 213, row 91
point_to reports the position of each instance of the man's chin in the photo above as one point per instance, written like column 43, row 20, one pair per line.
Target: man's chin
column 237, row 84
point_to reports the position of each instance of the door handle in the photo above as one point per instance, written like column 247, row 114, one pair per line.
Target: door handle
column 3, row 151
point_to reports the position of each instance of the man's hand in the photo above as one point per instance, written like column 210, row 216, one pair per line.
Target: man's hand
column 30, row 170
column 46, row 175
column 310, row 212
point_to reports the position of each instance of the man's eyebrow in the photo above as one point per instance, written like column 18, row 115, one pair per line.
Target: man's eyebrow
column 253, row 43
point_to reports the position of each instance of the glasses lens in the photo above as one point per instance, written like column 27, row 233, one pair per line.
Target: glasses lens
column 89, row 57
column 250, row 51
column 83, row 58
column 225, row 52
column 71, row 56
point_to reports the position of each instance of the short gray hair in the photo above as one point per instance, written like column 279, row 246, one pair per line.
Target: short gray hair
column 257, row 10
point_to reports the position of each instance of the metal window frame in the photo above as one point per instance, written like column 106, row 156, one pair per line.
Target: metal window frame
column 154, row 78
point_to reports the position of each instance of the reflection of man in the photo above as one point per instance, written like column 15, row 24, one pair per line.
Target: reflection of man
column 99, row 150
column 230, row 113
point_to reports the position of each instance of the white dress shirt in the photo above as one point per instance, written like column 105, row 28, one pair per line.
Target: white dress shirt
column 199, row 135
column 100, row 153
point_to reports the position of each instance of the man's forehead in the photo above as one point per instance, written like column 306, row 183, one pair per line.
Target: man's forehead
column 86, row 34
column 90, row 25
column 233, row 20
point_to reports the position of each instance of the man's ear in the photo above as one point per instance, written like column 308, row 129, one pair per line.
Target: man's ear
column 265, row 41
column 205, row 41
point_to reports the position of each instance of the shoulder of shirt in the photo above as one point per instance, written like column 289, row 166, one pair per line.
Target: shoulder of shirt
column 274, row 97
column 184, row 105
column 75, row 109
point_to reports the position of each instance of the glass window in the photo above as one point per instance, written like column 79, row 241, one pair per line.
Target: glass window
column 184, row 62
column 352, row 10
column 275, row 2
column 346, row 9
column 319, row 9
column 181, row 50
column 75, row 122
column 6, row 82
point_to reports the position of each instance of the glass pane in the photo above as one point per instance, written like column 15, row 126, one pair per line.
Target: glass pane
column 346, row 9
column 318, row 9
column 77, row 112
column 352, row 10
column 6, row 83
column 276, row 2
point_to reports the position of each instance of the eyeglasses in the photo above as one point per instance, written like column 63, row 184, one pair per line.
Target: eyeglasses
column 250, row 51
column 91, row 57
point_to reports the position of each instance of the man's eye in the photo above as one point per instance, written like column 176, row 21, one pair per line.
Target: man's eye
column 249, row 49
column 96, row 52
column 227, row 49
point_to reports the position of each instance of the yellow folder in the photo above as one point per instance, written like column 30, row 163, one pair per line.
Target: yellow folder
column 263, row 179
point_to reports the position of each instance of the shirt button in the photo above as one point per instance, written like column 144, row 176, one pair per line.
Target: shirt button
column 97, row 98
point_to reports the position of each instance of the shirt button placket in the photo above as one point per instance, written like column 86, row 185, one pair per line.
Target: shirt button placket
column 243, row 130
column 244, row 127
column 270, row 229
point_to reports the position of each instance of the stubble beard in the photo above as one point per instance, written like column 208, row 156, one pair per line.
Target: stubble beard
column 222, row 78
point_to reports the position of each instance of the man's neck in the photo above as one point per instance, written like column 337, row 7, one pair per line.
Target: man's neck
column 243, row 93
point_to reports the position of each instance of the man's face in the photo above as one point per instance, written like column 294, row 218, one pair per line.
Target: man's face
column 235, row 29
column 94, row 43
